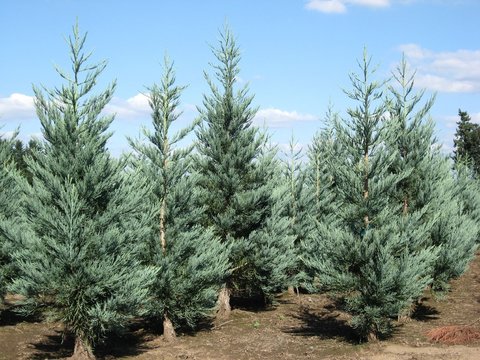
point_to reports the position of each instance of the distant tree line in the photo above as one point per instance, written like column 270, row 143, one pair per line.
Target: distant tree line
column 375, row 214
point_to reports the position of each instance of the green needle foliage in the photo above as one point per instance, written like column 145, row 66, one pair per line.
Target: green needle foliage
column 191, row 260
column 297, row 208
column 468, row 189
column 363, row 255
column 10, row 202
column 455, row 232
column 320, row 195
column 84, row 215
column 467, row 141
column 237, row 174
column 427, row 189
column 411, row 135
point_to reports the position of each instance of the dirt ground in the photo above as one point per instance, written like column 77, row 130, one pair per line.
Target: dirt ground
column 299, row 327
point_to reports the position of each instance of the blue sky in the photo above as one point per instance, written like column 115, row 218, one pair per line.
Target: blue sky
column 296, row 54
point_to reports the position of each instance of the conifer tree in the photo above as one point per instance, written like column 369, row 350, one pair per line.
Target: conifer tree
column 84, row 216
column 456, row 230
column 9, row 205
column 319, row 181
column 468, row 190
column 467, row 141
column 192, row 262
column 411, row 135
column 297, row 206
column 427, row 190
column 236, row 177
column 363, row 255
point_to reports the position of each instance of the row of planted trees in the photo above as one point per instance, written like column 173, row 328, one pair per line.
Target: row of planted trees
column 375, row 215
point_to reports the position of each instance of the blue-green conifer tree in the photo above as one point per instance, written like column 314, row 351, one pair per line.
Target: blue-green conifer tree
column 85, row 218
column 237, row 178
column 426, row 191
column 363, row 255
column 10, row 202
column 192, row 262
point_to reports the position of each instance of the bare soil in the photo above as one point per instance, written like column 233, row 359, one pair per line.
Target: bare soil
column 298, row 327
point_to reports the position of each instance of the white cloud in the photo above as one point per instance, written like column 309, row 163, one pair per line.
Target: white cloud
column 272, row 117
column 475, row 118
column 17, row 106
column 327, row 6
column 131, row 108
column 7, row 134
column 340, row 6
column 448, row 71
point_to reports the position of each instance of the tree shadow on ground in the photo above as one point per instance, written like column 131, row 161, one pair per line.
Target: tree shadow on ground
column 52, row 347
column 59, row 346
column 251, row 303
column 326, row 325
column 425, row 313
column 10, row 317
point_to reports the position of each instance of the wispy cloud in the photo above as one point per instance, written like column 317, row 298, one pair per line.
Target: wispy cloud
column 448, row 71
column 131, row 108
column 340, row 6
column 276, row 118
column 17, row 106
column 7, row 134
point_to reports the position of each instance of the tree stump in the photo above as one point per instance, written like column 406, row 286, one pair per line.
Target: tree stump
column 223, row 303
column 169, row 334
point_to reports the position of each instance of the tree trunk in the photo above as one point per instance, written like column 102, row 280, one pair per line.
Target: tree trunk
column 372, row 336
column 168, row 330
column 82, row 351
column 366, row 219
column 162, row 226
column 291, row 290
column 405, row 207
column 223, row 303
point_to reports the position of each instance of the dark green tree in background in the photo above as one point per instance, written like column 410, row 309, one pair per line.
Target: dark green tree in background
column 467, row 141
column 192, row 262
column 84, row 216
column 237, row 173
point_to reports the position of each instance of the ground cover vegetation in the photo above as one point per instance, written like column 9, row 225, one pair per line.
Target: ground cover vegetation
column 373, row 214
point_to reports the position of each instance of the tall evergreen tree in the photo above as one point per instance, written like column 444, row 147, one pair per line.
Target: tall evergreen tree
column 318, row 197
column 467, row 141
column 468, row 190
column 320, row 183
column 236, row 178
column 363, row 254
column 84, row 216
column 191, row 260
column 297, row 206
column 411, row 135
column 10, row 202
column 455, row 231
column 427, row 189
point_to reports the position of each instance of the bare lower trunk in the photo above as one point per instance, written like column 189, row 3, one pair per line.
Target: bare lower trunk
column 168, row 330
column 223, row 303
column 406, row 315
column 372, row 336
column 291, row 290
column 163, row 242
column 366, row 219
column 405, row 207
column 82, row 351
